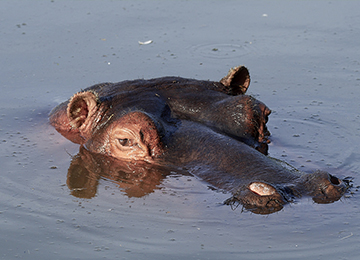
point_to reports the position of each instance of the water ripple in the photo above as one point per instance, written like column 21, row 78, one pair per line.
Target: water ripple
column 221, row 50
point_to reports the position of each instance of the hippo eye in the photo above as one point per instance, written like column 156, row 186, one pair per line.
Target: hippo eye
column 126, row 142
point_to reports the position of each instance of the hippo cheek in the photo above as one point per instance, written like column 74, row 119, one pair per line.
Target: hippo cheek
column 259, row 198
column 330, row 188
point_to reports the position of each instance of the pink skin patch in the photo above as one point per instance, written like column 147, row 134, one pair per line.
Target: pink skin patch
column 262, row 189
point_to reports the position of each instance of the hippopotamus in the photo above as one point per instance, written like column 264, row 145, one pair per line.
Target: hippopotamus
column 210, row 129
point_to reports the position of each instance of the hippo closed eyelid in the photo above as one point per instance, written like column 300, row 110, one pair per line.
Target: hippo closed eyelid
column 141, row 135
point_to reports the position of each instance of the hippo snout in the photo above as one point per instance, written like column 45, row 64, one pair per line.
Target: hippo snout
column 264, row 198
column 324, row 187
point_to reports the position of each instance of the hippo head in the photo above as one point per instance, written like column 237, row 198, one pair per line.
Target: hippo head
column 212, row 129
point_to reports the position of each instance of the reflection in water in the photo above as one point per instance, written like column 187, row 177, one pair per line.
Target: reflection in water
column 136, row 179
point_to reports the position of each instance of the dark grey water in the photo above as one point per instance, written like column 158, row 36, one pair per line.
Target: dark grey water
column 304, row 59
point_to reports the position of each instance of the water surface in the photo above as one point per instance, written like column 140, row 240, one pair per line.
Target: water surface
column 304, row 62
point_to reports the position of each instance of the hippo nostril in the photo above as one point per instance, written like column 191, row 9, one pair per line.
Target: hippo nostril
column 334, row 180
column 329, row 189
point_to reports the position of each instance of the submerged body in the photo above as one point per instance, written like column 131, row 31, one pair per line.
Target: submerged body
column 212, row 129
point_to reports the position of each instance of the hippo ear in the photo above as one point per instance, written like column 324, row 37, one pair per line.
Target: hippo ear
column 237, row 80
column 82, row 106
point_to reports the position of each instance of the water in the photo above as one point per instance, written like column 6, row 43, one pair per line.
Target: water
column 305, row 70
